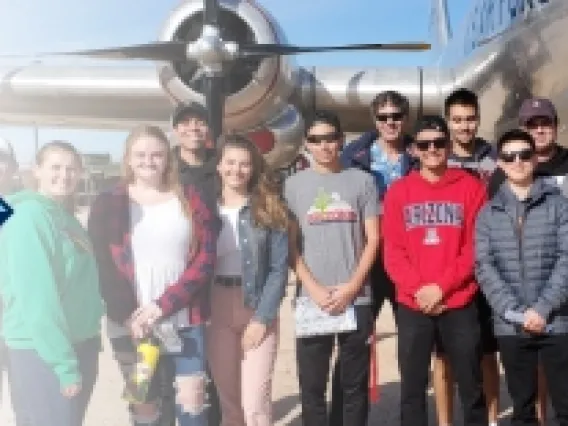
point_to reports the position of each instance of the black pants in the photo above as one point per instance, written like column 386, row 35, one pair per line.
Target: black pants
column 520, row 357
column 488, row 340
column 215, row 406
column 313, row 355
column 459, row 331
column 382, row 289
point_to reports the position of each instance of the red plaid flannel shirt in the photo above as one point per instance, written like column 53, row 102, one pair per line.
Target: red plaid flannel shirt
column 109, row 228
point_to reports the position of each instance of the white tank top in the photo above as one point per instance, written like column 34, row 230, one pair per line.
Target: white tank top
column 161, row 241
column 228, row 247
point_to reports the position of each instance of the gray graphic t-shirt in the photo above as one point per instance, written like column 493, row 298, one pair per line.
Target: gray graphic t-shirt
column 331, row 209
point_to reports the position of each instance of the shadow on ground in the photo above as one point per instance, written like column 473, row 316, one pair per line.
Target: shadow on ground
column 386, row 411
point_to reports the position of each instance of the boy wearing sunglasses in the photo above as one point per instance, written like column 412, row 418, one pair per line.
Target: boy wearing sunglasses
column 522, row 266
column 429, row 221
column 332, row 247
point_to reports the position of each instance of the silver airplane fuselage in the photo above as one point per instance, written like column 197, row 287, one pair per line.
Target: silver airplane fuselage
column 507, row 50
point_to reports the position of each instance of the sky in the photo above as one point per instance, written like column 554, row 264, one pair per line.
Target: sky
column 28, row 27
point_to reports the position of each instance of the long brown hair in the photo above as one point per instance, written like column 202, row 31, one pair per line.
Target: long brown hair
column 70, row 202
column 170, row 179
column 268, row 209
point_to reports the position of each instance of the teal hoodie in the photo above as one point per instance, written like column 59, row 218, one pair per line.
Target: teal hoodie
column 48, row 282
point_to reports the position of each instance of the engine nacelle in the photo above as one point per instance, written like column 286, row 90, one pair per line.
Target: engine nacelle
column 256, row 90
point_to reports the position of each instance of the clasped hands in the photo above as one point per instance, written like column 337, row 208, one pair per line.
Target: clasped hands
column 429, row 299
column 334, row 300
column 533, row 322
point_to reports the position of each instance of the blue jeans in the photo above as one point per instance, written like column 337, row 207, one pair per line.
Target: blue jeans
column 36, row 390
column 168, row 381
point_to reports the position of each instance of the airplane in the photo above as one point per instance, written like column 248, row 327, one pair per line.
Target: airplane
column 232, row 56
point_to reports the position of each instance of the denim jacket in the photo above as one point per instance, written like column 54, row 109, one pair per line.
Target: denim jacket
column 264, row 266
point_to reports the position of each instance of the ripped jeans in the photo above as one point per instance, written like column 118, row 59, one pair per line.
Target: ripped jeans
column 178, row 376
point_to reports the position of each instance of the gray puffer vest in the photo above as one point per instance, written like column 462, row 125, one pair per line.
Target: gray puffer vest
column 522, row 256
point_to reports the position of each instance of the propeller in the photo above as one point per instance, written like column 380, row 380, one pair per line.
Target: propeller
column 168, row 51
column 210, row 12
column 284, row 49
column 209, row 58
column 215, row 103
column 176, row 51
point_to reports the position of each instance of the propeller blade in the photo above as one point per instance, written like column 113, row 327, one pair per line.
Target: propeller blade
column 170, row 51
column 215, row 103
column 210, row 12
column 283, row 49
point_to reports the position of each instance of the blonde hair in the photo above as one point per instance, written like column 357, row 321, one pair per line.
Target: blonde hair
column 59, row 145
column 170, row 179
column 268, row 209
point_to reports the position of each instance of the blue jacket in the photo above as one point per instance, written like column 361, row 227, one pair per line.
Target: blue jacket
column 522, row 256
column 357, row 154
column 264, row 266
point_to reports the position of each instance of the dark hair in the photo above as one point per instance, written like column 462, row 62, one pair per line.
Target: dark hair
column 461, row 97
column 184, row 111
column 325, row 117
column 390, row 97
column 515, row 135
column 431, row 122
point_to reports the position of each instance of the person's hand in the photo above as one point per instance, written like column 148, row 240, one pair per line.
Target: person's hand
column 438, row 310
column 143, row 319
column 428, row 297
column 341, row 297
column 71, row 391
column 533, row 323
column 254, row 335
column 321, row 295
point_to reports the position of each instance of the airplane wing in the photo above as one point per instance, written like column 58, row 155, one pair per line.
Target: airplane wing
column 101, row 97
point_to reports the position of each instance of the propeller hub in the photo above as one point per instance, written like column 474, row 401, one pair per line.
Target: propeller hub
column 210, row 50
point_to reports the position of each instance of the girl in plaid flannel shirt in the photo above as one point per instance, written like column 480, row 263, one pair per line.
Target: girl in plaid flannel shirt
column 155, row 245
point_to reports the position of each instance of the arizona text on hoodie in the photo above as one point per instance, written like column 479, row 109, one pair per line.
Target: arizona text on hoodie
column 429, row 229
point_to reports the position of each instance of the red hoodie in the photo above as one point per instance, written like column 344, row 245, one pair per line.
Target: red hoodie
column 428, row 235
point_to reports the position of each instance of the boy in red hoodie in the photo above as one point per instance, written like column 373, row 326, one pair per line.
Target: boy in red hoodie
column 429, row 223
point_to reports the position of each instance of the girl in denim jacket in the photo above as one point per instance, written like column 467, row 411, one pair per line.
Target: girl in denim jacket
column 251, row 275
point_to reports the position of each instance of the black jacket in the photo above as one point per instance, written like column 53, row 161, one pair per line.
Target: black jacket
column 203, row 177
column 481, row 163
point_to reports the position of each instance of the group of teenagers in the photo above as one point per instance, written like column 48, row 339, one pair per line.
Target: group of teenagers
column 468, row 241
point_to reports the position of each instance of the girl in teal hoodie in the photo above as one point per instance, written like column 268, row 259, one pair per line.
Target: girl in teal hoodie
column 50, row 288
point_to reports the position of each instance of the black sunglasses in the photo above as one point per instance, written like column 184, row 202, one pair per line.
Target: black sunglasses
column 317, row 139
column 395, row 116
column 436, row 143
column 523, row 155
